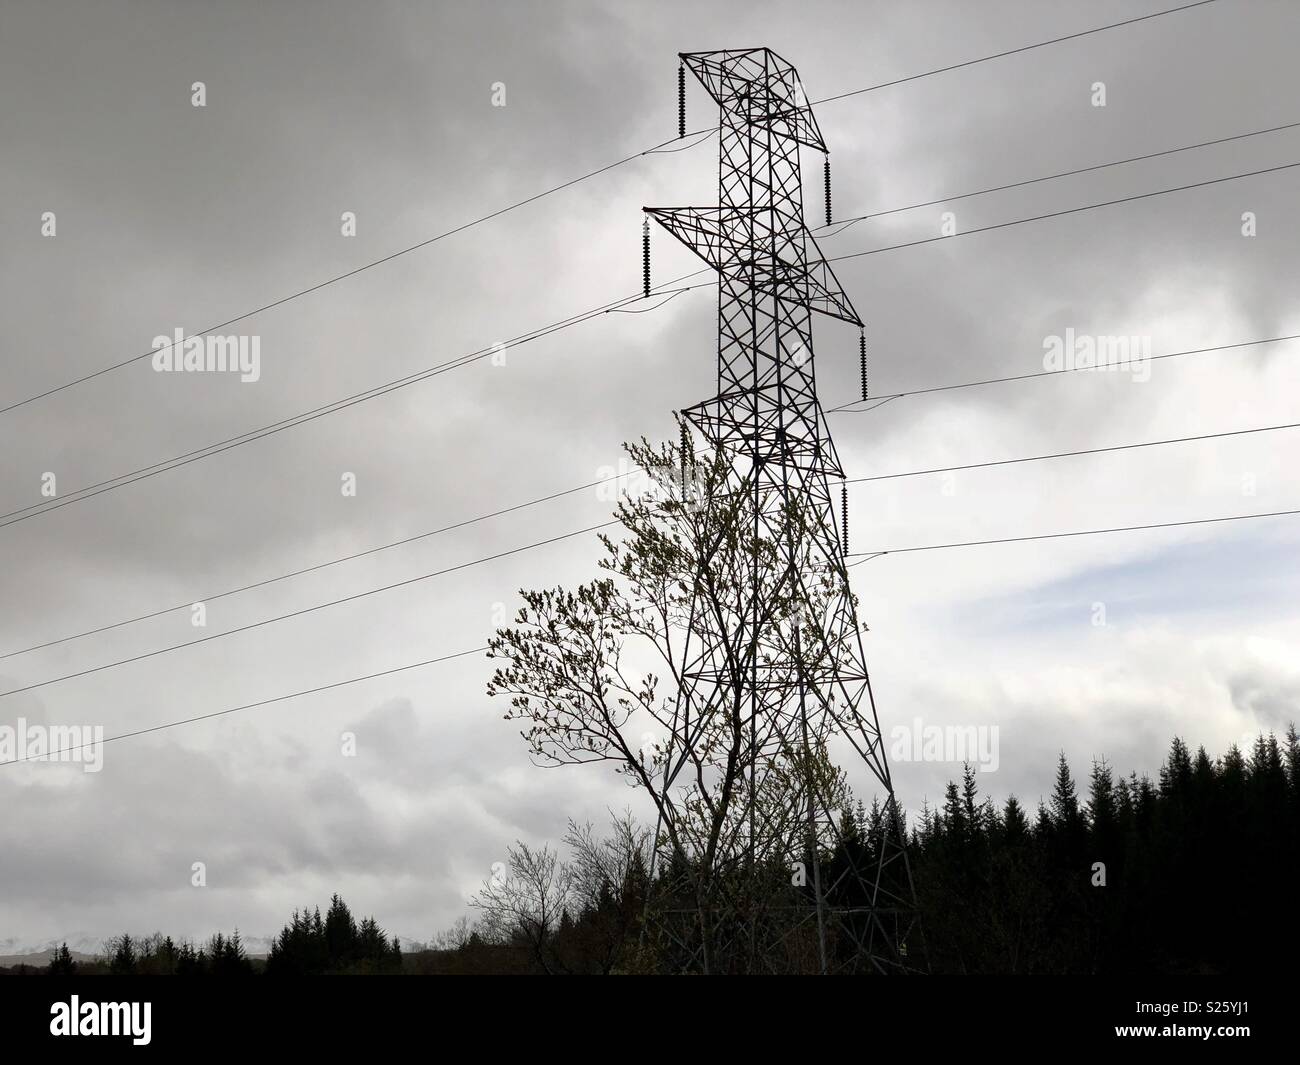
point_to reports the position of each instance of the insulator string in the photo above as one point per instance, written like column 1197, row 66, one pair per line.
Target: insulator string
column 862, row 352
column 828, row 189
column 681, row 101
column 645, row 258
column 844, row 514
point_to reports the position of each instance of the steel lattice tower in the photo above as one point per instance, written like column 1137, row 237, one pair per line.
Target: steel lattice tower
column 767, row 420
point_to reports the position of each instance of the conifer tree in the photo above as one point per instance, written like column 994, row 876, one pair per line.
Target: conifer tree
column 972, row 811
column 341, row 937
column 954, row 815
column 1102, row 811
column 1065, row 803
column 61, row 963
column 1015, row 826
column 124, row 959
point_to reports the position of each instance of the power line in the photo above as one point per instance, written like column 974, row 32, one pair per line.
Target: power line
column 863, row 556
column 308, row 610
column 1073, row 454
column 848, row 223
column 880, row 401
column 22, row 514
column 1077, row 532
column 314, row 568
column 660, row 148
column 1013, row 51
column 593, row 484
column 213, row 449
column 250, row 706
column 352, row 273
column 119, row 481
column 1067, row 211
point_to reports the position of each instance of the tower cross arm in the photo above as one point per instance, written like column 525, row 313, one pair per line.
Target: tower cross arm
column 734, row 243
column 760, row 87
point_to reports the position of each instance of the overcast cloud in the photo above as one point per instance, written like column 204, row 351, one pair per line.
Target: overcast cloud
column 173, row 216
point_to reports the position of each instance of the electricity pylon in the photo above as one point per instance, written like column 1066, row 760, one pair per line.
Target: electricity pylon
column 803, row 672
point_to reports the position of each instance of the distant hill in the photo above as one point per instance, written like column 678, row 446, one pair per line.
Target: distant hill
column 41, row 958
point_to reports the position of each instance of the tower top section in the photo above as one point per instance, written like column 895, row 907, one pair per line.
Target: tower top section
column 755, row 86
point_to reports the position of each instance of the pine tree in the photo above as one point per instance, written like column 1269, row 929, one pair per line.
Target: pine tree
column 1065, row 803
column 875, row 821
column 926, row 830
column 61, row 963
column 340, row 934
column 187, row 961
column 124, row 959
column 1042, row 822
column 1202, row 772
column 1176, row 774
column 1123, row 804
column 1015, row 826
column 372, row 944
column 954, row 815
column 1102, row 812
column 167, row 956
column 1232, row 778
column 972, row 811
column 1292, row 758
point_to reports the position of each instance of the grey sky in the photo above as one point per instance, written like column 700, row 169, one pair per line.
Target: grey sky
column 170, row 215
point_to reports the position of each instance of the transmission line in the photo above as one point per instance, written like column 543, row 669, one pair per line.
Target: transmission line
column 1072, row 454
column 861, row 555
column 251, row 706
column 1066, row 211
column 879, row 401
column 1075, row 532
column 847, row 223
column 1012, row 51
column 144, row 472
column 309, row 610
column 316, row 567
column 660, row 148
column 594, row 484
column 353, row 272
column 22, row 514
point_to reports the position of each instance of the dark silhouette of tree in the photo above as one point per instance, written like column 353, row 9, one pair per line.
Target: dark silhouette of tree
column 1141, row 877
column 188, row 962
column 1014, row 825
column 123, row 962
column 227, row 957
column 167, row 957
column 1065, row 803
column 61, row 963
column 310, row 945
column 342, row 940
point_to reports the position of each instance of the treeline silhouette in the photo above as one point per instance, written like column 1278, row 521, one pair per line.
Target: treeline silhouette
column 1174, row 875
column 307, row 946
column 1132, row 875
column 1196, row 871
column 158, row 955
